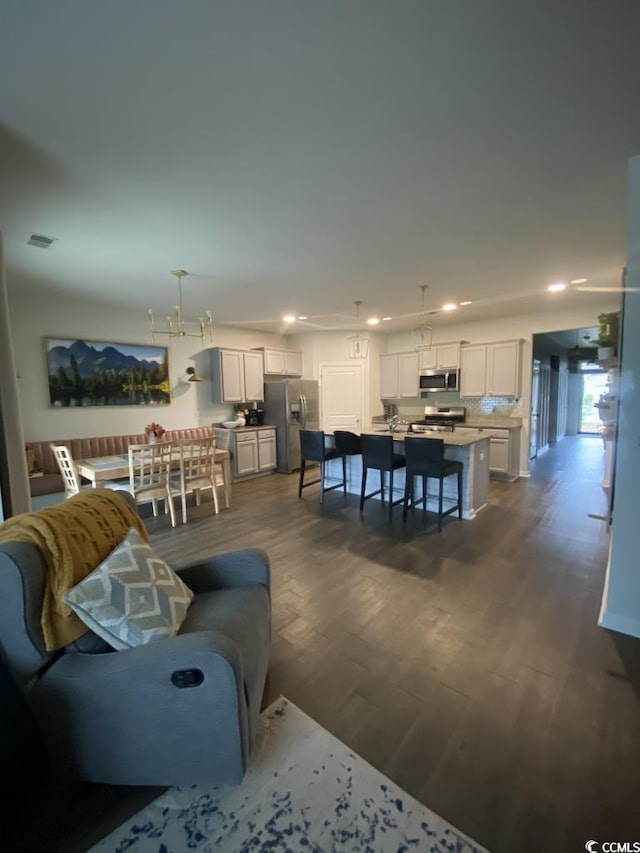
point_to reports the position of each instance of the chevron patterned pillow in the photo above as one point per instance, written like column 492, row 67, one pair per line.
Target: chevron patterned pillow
column 132, row 597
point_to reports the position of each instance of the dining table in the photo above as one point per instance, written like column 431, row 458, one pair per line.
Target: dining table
column 102, row 468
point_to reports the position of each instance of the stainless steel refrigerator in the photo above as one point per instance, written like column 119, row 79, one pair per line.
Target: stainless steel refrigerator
column 291, row 405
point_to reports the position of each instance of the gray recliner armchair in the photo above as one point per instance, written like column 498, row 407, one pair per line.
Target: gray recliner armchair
column 176, row 711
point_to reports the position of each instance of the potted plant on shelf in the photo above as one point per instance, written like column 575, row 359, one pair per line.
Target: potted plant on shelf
column 153, row 432
column 605, row 338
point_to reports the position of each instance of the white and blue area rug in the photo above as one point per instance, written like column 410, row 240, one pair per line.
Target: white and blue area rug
column 304, row 791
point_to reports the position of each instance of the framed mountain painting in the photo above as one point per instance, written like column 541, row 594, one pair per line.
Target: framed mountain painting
column 102, row 373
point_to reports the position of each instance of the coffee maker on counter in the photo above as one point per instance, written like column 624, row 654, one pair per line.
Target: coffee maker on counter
column 255, row 417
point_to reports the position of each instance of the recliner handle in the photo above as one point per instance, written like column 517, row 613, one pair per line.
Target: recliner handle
column 187, row 678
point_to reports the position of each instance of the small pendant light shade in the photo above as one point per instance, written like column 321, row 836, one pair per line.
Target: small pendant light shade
column 358, row 344
column 423, row 332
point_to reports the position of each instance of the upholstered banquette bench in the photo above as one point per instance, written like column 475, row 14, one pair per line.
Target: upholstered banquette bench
column 50, row 482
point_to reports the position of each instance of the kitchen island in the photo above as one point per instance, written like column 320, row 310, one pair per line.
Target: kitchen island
column 471, row 450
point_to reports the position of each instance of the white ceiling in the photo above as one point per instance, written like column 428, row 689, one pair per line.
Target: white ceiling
column 298, row 155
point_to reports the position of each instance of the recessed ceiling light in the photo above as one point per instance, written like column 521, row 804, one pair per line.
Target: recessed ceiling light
column 578, row 280
column 467, row 302
column 373, row 321
column 555, row 288
column 303, row 317
column 450, row 306
column 289, row 318
column 387, row 318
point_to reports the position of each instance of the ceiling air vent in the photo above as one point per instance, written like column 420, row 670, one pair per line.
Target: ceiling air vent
column 40, row 241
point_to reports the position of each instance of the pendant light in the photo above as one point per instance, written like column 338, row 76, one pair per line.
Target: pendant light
column 423, row 332
column 177, row 326
column 358, row 344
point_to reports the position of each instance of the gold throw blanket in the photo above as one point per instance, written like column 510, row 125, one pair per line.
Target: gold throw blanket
column 74, row 537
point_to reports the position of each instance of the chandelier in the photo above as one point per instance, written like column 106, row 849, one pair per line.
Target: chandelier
column 177, row 326
column 358, row 344
column 423, row 332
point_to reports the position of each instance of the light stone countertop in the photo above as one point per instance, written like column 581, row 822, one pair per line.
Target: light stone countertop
column 490, row 421
column 244, row 428
column 449, row 438
column 478, row 421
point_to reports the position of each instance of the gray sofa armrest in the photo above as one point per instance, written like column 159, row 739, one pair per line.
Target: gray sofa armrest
column 124, row 721
column 22, row 576
column 154, row 659
column 230, row 569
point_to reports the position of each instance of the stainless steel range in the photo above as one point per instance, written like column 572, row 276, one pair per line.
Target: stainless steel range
column 439, row 419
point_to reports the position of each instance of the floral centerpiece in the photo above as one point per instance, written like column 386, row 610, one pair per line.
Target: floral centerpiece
column 154, row 431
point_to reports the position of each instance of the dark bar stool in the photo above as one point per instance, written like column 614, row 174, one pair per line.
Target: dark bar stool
column 347, row 442
column 377, row 453
column 313, row 449
column 425, row 458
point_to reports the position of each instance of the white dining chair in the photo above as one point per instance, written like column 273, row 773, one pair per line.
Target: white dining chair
column 150, row 475
column 67, row 466
column 198, row 471
column 70, row 476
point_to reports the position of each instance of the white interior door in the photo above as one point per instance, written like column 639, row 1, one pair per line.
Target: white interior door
column 341, row 396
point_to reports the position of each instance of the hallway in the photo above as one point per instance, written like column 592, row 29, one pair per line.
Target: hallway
column 566, row 481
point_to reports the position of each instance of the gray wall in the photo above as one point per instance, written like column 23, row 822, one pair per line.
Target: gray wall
column 621, row 601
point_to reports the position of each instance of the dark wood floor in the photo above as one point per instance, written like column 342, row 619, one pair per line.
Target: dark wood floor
column 467, row 666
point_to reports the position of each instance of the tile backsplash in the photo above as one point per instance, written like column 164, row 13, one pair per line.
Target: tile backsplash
column 504, row 406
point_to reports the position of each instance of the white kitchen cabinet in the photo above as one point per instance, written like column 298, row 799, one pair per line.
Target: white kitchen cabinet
column 253, row 377
column 408, row 378
column 473, row 371
column 503, row 369
column 232, row 376
column 246, row 454
column 266, row 449
column 236, row 376
column 440, row 356
column 499, row 454
column 399, row 376
column 428, row 359
column 292, row 363
column 504, row 450
column 252, row 449
column 281, row 362
column 388, row 377
column 490, row 370
column 273, row 361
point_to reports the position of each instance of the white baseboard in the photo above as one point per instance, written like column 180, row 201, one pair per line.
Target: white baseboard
column 473, row 512
column 526, row 473
column 621, row 624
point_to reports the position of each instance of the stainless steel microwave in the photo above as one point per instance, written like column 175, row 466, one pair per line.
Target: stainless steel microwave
column 438, row 380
